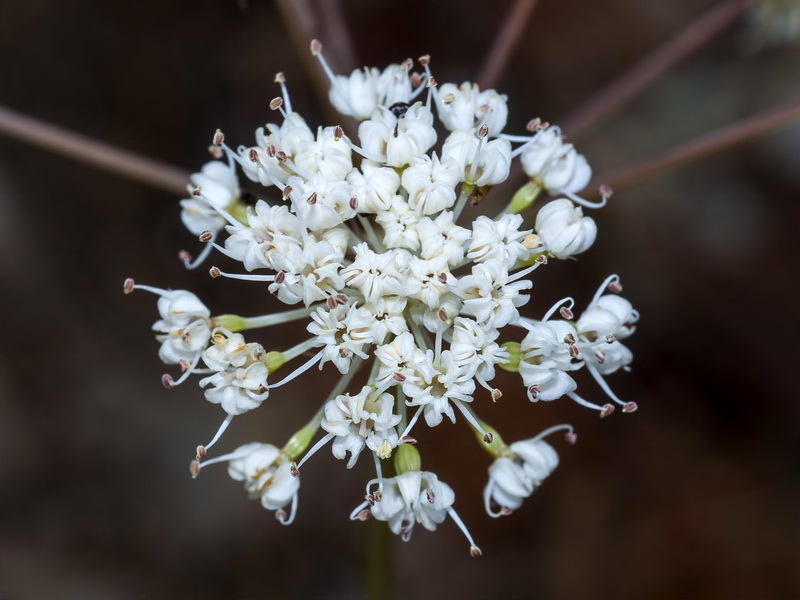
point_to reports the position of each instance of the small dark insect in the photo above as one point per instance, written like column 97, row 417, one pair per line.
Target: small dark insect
column 399, row 109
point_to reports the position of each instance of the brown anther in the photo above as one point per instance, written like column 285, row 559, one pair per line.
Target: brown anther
column 442, row 314
column 615, row 287
column 201, row 452
column 505, row 511
column 316, row 47
column 194, row 468
column 185, row 256
column 281, row 515
column 280, row 77
column 483, row 131
column 542, row 260
column 184, row 364
column 424, row 60
column 566, row 313
column 534, row 391
column 370, row 498
column 198, row 191
column 416, row 79
column 496, row 395
column 286, row 192
column 475, row 552
column 312, row 199
column 600, row 357
column 271, row 150
column 448, row 99
column 605, row 191
column 294, row 471
column 281, row 156
column 338, row 133
column 354, row 203
column 544, row 125
column 443, row 277
column 399, row 377
column 630, row 407
column 488, row 438
column 128, row 286
column 218, row 138
column 219, row 339
column 344, row 352
column 407, row 64
column 341, row 299
column 534, row 124
column 571, row 437
column 606, row 410
column 569, row 339
column 253, row 155
column 407, row 439
column 430, row 495
column 431, row 82
column 167, row 381
column 610, row 339
column 262, row 389
column 573, row 351
column 280, row 276
column 214, row 272
column 206, row 236
column 215, row 152
column 364, row 515
column 331, row 302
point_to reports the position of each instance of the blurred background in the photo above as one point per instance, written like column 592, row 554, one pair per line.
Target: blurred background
column 693, row 496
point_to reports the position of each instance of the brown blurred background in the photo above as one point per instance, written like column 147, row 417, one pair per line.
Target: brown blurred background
column 694, row 496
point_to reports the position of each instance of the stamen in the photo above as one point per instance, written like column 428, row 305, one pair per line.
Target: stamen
column 556, row 306
column 300, row 370
column 608, row 282
column 215, row 272
column 604, row 410
column 465, row 410
column 474, row 551
column 324, row 440
column 280, row 79
column 219, row 433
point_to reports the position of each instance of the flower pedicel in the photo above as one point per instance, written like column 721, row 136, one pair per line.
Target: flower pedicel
column 363, row 238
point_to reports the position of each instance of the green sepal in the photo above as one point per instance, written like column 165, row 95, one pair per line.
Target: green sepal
column 406, row 459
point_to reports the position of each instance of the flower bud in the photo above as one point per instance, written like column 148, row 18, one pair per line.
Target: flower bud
column 563, row 228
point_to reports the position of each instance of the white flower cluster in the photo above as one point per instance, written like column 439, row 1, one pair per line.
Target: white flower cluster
column 367, row 236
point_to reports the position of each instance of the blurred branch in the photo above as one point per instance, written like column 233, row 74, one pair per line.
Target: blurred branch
column 685, row 43
column 504, row 43
column 704, row 146
column 92, row 152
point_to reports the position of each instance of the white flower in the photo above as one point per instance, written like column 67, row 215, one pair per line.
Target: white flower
column 321, row 203
column 397, row 141
column 399, row 225
column 376, row 275
column 514, row 476
column 479, row 162
column 442, row 238
column 184, row 328
column 490, row 295
column 240, row 383
column 563, row 229
column 267, row 475
column 411, row 498
column 465, row 107
column 343, row 331
column 219, row 188
column 545, row 356
column 365, row 419
column 475, row 346
column 556, row 166
column 439, row 383
column 272, row 239
column 610, row 315
column 430, row 184
column 498, row 239
column 374, row 187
